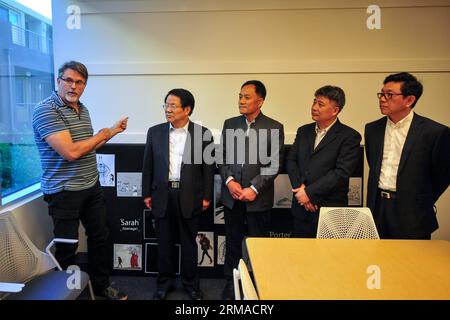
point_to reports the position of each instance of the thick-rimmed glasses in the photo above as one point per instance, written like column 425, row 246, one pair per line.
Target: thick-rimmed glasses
column 167, row 106
column 387, row 95
column 70, row 82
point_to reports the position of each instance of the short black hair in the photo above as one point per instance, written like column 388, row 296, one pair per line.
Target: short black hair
column 186, row 98
column 76, row 66
column 410, row 85
column 260, row 88
column 333, row 93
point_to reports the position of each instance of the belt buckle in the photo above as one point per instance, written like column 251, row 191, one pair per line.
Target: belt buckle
column 385, row 194
column 175, row 184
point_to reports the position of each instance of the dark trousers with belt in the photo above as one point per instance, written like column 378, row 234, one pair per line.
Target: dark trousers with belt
column 67, row 208
column 387, row 222
column 305, row 225
column 235, row 230
column 170, row 229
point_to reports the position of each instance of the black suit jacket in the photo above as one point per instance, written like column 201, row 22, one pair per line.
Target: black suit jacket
column 196, row 182
column 252, row 172
column 326, row 170
column 423, row 173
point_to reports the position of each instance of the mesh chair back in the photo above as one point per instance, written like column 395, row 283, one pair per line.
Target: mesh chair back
column 20, row 260
column 346, row 223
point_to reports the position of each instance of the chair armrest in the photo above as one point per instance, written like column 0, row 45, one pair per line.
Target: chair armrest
column 52, row 243
column 11, row 287
column 236, row 278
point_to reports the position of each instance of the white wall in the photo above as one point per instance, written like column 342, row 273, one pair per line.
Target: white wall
column 137, row 50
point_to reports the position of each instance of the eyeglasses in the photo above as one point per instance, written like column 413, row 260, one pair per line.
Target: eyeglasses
column 70, row 82
column 167, row 106
column 387, row 95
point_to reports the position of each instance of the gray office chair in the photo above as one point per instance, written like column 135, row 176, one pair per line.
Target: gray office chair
column 346, row 223
column 248, row 289
column 26, row 273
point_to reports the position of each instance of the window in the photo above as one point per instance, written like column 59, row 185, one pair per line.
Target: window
column 3, row 13
column 17, row 30
column 37, row 35
column 27, row 79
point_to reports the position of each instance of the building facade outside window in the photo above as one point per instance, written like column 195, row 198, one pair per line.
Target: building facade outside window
column 26, row 77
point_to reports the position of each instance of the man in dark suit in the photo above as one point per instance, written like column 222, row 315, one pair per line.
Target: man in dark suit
column 322, row 159
column 177, row 183
column 409, row 161
column 251, row 152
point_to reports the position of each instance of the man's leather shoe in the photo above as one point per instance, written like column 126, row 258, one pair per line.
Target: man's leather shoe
column 228, row 291
column 111, row 293
column 196, row 295
column 161, row 293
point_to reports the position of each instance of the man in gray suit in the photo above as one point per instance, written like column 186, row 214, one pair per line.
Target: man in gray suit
column 249, row 161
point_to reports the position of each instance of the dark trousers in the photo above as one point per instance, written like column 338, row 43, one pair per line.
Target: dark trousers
column 67, row 208
column 170, row 229
column 235, row 230
column 305, row 225
column 387, row 219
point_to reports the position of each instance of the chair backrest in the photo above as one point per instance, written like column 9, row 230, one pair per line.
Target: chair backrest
column 22, row 263
column 346, row 223
column 20, row 260
column 248, row 289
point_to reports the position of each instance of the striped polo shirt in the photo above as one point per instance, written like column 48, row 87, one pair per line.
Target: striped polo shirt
column 53, row 115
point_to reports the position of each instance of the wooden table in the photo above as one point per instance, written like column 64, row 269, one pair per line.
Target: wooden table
column 338, row 268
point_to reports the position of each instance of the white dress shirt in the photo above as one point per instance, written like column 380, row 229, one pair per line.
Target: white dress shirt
column 249, row 123
column 394, row 140
column 177, row 140
column 320, row 133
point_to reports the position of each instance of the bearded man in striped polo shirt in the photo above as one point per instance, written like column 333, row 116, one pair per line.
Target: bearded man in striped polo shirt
column 66, row 143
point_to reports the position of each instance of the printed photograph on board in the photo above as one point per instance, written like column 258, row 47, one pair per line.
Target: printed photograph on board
column 129, row 184
column 106, row 170
column 355, row 191
column 283, row 192
column 205, row 244
column 127, row 257
column 221, row 250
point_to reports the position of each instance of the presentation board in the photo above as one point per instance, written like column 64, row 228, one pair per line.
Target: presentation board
column 132, row 228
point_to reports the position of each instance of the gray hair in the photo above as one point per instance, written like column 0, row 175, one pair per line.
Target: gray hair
column 76, row 66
